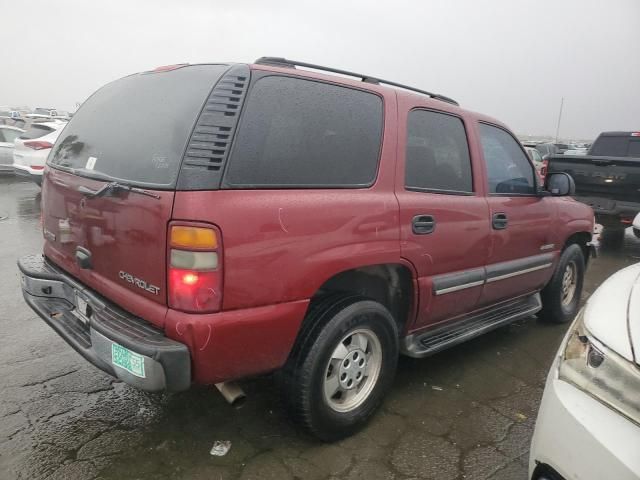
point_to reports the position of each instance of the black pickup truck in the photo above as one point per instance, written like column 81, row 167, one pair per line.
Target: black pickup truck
column 607, row 178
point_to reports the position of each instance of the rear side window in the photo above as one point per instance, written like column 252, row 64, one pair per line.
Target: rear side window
column 303, row 133
column 9, row 135
column 136, row 129
column 437, row 157
column 36, row 131
column 509, row 170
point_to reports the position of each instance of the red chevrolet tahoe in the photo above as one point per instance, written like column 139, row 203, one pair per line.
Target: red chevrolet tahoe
column 205, row 223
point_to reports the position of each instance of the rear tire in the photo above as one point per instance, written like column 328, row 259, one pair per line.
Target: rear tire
column 636, row 232
column 561, row 296
column 343, row 363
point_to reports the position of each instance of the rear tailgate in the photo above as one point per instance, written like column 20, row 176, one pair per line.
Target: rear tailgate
column 613, row 178
column 133, row 131
column 124, row 235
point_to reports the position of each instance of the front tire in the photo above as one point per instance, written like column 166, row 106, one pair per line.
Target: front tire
column 561, row 296
column 341, row 366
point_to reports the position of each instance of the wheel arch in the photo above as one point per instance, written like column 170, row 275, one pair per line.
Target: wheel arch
column 581, row 239
column 391, row 284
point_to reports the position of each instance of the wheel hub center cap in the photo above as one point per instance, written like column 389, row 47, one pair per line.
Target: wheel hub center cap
column 352, row 369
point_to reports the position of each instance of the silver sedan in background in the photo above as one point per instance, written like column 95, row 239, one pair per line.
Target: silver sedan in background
column 8, row 134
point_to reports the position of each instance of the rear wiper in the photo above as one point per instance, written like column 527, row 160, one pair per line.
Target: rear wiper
column 112, row 187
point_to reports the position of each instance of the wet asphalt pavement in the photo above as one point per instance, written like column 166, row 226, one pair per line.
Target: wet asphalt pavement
column 466, row 413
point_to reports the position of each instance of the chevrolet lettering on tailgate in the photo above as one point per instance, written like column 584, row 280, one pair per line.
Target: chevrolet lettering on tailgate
column 139, row 282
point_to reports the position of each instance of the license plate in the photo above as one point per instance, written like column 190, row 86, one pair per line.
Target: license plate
column 124, row 358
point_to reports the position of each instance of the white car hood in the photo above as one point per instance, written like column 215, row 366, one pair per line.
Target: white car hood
column 612, row 314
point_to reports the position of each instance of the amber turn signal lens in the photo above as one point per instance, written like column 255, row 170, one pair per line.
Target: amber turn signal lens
column 193, row 237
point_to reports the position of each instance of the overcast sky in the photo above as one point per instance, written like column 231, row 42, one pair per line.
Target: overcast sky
column 511, row 59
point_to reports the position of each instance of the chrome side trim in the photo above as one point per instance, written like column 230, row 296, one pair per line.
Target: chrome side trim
column 520, row 272
column 459, row 287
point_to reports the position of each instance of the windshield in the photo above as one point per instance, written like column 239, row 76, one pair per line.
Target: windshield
column 136, row 129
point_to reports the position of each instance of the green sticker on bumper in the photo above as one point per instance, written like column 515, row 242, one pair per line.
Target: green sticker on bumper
column 125, row 358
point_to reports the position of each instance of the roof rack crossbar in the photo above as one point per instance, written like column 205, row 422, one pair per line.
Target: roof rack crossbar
column 283, row 62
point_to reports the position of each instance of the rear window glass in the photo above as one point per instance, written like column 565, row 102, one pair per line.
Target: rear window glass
column 610, row 146
column 302, row 133
column 36, row 131
column 136, row 129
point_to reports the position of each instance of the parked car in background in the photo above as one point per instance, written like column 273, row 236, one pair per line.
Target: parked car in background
column 47, row 112
column 8, row 135
column 536, row 158
column 33, row 146
column 589, row 420
column 546, row 149
column 394, row 220
column 607, row 179
column 576, row 150
column 562, row 147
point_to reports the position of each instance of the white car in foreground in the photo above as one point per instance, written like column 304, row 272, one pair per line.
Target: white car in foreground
column 32, row 148
column 589, row 421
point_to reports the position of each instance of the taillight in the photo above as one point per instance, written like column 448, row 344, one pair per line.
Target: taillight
column 195, row 269
column 37, row 167
column 38, row 145
column 543, row 169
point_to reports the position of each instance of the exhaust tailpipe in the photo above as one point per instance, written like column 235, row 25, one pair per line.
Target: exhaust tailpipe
column 232, row 393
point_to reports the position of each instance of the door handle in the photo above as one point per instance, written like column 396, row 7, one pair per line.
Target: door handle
column 500, row 221
column 423, row 224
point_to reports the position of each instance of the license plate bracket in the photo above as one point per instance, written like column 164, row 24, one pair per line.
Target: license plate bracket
column 82, row 310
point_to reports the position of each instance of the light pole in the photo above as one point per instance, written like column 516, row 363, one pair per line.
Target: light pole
column 559, row 118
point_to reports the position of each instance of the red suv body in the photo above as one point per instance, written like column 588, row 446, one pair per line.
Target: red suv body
column 193, row 216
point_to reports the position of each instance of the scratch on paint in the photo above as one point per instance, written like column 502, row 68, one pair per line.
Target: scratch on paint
column 281, row 222
column 208, row 338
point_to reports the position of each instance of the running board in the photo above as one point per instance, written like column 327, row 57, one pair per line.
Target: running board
column 440, row 338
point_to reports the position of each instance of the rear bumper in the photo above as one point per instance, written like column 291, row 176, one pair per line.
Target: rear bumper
column 26, row 172
column 53, row 295
column 608, row 211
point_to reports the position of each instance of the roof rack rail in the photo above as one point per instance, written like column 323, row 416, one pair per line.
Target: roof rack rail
column 283, row 62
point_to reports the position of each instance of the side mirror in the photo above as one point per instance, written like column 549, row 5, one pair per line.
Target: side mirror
column 560, row 184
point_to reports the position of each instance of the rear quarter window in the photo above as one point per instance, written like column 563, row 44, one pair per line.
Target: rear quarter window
column 304, row 133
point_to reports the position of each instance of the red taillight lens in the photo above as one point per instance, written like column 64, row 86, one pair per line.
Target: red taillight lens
column 195, row 269
column 37, row 167
column 543, row 170
column 191, row 291
column 38, row 145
